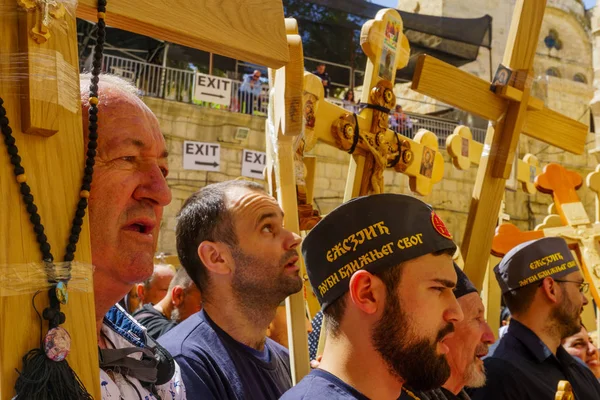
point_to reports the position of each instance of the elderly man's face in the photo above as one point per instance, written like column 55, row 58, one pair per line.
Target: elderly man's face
column 129, row 189
column 418, row 320
column 470, row 342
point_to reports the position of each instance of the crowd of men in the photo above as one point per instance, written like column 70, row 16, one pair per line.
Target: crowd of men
column 402, row 320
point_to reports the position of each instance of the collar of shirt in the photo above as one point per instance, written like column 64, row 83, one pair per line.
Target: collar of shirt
column 535, row 346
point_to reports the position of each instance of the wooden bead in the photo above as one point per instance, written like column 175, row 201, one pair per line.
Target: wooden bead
column 21, row 178
column 85, row 194
column 94, row 101
column 101, row 15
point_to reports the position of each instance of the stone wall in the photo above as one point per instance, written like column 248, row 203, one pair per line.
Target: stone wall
column 451, row 197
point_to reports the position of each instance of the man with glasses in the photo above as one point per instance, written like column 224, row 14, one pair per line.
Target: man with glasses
column 543, row 289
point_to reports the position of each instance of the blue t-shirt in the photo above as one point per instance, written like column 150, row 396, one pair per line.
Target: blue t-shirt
column 216, row 366
column 321, row 385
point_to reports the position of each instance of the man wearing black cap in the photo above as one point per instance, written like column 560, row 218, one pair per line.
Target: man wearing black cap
column 543, row 289
column 382, row 270
column 467, row 346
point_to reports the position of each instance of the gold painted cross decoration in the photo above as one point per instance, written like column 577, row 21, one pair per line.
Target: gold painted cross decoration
column 512, row 110
column 45, row 11
column 366, row 136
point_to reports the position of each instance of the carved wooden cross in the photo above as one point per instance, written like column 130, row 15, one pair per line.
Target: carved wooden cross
column 577, row 229
column 39, row 83
column 511, row 108
column 374, row 147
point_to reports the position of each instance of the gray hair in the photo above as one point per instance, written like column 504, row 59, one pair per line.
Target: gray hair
column 108, row 85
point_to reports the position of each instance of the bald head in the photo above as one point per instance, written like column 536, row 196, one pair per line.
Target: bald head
column 155, row 288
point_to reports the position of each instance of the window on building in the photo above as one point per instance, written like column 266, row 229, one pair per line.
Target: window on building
column 580, row 78
column 553, row 72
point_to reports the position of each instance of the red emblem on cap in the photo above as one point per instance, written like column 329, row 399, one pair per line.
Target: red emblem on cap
column 439, row 226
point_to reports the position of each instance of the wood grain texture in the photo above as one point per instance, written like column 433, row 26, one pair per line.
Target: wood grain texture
column 593, row 183
column 39, row 100
column 555, row 129
column 287, row 115
column 54, row 167
column 252, row 31
column 458, row 88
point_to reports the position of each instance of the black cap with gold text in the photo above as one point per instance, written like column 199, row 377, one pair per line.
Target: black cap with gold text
column 371, row 233
column 533, row 261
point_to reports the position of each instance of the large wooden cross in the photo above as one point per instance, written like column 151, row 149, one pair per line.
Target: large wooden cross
column 513, row 111
column 39, row 82
column 466, row 152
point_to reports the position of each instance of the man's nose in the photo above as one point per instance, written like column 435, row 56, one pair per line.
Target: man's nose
column 453, row 313
column 488, row 336
column 154, row 186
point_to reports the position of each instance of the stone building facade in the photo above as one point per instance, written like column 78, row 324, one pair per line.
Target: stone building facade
column 565, row 79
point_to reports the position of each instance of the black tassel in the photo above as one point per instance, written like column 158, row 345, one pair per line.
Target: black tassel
column 44, row 379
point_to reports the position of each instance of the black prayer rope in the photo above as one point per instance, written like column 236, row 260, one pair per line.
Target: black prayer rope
column 356, row 135
column 375, row 107
column 397, row 158
column 40, row 377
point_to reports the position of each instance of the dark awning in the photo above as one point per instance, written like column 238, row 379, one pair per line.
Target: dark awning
column 453, row 40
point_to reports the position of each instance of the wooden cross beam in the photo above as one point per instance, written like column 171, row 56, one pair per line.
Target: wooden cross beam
column 39, row 83
column 512, row 109
column 577, row 229
column 283, row 130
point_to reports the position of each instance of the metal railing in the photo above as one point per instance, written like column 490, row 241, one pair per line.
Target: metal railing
column 442, row 128
column 178, row 85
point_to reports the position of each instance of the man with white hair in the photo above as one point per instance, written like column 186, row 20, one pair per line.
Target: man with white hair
column 126, row 204
column 470, row 342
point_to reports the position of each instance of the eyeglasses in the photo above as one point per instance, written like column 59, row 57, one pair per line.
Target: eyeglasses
column 584, row 287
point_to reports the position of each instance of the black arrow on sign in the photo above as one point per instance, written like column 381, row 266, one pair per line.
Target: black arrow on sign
column 254, row 171
column 212, row 164
column 213, row 95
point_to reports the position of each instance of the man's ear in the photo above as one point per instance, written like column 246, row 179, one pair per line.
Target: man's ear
column 139, row 289
column 215, row 256
column 550, row 290
column 177, row 296
column 367, row 292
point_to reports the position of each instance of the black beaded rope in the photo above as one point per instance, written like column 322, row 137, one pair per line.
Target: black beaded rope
column 356, row 135
column 52, row 313
column 393, row 163
column 375, row 107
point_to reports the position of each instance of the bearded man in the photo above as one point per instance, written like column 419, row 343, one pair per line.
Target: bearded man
column 467, row 347
column 543, row 289
column 232, row 243
column 384, row 281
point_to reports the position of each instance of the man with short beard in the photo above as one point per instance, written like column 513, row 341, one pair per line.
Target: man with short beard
column 467, row 346
column 382, row 270
column 232, row 243
column 543, row 289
